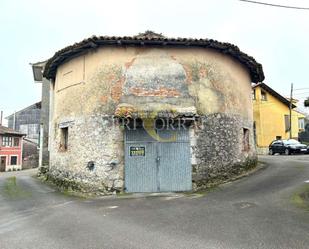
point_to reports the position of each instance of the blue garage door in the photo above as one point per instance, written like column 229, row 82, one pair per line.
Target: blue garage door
column 159, row 162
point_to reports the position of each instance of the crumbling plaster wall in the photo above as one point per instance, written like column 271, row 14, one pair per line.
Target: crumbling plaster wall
column 88, row 89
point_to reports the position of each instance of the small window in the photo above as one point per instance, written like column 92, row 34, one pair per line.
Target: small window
column 7, row 141
column 301, row 123
column 278, row 137
column 13, row 160
column 64, row 138
column 263, row 96
column 16, row 141
column 246, row 137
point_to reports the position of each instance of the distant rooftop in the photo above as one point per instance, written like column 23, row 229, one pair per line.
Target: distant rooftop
column 274, row 93
column 33, row 106
column 8, row 131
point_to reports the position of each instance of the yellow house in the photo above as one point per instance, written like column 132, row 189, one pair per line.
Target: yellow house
column 271, row 116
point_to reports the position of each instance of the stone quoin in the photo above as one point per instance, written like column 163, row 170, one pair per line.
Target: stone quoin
column 150, row 114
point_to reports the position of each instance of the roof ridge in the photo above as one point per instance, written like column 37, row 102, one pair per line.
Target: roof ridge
column 149, row 34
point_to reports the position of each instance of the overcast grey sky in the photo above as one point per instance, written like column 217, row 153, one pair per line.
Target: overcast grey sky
column 33, row 30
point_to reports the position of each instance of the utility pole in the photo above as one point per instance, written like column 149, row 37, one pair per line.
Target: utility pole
column 291, row 106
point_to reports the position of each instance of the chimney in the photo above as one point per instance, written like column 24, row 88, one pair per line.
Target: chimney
column 1, row 117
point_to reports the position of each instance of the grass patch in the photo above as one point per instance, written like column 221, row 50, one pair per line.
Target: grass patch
column 300, row 167
column 12, row 190
column 301, row 197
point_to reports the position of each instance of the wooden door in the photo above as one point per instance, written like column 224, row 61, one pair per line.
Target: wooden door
column 2, row 163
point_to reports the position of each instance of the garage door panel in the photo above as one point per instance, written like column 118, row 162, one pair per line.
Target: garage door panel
column 141, row 171
column 174, row 164
column 157, row 165
column 174, row 169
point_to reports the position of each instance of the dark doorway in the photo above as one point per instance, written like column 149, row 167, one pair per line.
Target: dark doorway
column 2, row 163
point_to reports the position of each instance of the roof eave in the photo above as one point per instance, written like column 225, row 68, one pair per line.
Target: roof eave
column 274, row 93
column 255, row 69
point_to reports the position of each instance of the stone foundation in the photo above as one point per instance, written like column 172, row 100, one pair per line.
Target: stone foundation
column 262, row 150
column 94, row 161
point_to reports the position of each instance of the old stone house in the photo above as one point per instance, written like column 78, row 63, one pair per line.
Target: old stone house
column 149, row 113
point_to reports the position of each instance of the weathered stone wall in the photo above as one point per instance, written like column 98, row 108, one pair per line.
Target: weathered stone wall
column 219, row 150
column 94, row 159
column 93, row 85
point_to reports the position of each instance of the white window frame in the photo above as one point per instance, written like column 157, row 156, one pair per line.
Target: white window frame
column 301, row 124
column 7, row 144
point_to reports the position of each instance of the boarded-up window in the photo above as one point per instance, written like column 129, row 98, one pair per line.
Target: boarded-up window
column 287, row 122
column 246, row 136
column 64, row 138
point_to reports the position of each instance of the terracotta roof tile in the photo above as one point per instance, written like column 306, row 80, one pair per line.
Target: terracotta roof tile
column 150, row 38
column 8, row 131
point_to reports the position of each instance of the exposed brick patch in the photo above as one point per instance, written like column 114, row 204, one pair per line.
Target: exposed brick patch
column 161, row 92
column 116, row 91
column 104, row 99
column 130, row 63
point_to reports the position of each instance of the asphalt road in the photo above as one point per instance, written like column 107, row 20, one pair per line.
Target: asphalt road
column 258, row 211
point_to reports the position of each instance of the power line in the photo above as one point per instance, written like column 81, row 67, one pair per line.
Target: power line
column 301, row 89
column 276, row 5
column 301, row 93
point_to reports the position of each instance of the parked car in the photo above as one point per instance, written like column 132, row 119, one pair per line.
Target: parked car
column 287, row 147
